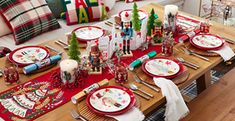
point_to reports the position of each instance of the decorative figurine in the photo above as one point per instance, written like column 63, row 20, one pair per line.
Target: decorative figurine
column 150, row 26
column 74, row 52
column 157, row 33
column 135, row 19
column 11, row 75
column 127, row 33
column 95, row 60
column 167, row 45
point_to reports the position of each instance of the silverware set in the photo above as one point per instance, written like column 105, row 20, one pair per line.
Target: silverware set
column 137, row 79
column 62, row 44
column 188, row 64
column 77, row 116
column 53, row 49
column 191, row 52
column 111, row 24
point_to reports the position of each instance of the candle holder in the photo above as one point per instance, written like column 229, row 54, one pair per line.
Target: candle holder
column 121, row 74
column 205, row 27
column 167, row 45
column 11, row 74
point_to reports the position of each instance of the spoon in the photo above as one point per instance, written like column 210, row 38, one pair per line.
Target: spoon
column 135, row 88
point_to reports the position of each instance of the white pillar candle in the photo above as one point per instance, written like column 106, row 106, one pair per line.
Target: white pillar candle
column 170, row 16
column 68, row 69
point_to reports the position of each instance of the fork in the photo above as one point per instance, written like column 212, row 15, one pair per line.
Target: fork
column 77, row 116
column 189, row 64
column 190, row 52
column 137, row 79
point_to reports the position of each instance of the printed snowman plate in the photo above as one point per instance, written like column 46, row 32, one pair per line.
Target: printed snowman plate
column 88, row 33
column 142, row 14
column 207, row 41
column 162, row 67
column 112, row 100
column 28, row 55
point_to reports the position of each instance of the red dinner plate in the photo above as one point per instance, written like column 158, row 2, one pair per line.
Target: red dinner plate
column 163, row 67
column 89, row 33
column 108, row 107
column 142, row 13
column 213, row 43
column 28, row 55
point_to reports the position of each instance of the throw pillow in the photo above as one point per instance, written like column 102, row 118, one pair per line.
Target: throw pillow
column 129, row 1
column 84, row 11
column 4, row 29
column 28, row 18
column 56, row 7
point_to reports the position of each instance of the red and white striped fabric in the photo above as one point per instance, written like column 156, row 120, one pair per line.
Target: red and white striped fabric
column 27, row 18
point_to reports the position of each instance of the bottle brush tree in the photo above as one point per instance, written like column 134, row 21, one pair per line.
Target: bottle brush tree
column 135, row 18
column 150, row 23
column 74, row 52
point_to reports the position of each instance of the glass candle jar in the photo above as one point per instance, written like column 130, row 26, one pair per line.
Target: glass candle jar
column 120, row 74
column 11, row 74
column 205, row 27
column 167, row 46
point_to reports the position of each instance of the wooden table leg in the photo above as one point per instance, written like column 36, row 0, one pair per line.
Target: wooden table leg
column 203, row 82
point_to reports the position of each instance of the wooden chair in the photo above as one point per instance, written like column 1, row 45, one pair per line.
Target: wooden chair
column 217, row 103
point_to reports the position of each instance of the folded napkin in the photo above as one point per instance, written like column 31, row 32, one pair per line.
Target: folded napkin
column 175, row 106
column 225, row 52
column 133, row 114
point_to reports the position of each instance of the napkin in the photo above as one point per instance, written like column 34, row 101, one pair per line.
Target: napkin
column 225, row 52
column 134, row 114
column 175, row 106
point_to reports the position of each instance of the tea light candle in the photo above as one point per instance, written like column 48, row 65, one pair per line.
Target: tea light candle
column 68, row 69
column 170, row 16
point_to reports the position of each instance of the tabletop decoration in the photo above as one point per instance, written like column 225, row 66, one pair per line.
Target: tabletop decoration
column 89, row 33
column 111, row 100
column 135, row 18
column 157, row 34
column 205, row 27
column 167, row 45
column 150, row 26
column 38, row 65
column 95, row 60
column 170, row 18
column 28, row 55
column 11, row 74
column 127, row 33
column 142, row 14
column 68, row 71
column 74, row 52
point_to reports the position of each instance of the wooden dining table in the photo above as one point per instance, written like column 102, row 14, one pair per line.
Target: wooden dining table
column 201, row 75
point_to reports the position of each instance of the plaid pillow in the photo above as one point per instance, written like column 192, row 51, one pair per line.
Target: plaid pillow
column 84, row 11
column 28, row 18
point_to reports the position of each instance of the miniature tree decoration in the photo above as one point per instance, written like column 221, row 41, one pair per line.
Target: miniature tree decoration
column 135, row 18
column 74, row 52
column 150, row 23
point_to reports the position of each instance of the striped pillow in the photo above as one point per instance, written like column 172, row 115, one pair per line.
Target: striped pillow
column 84, row 11
column 28, row 18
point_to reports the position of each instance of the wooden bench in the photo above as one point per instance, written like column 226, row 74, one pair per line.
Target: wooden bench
column 217, row 103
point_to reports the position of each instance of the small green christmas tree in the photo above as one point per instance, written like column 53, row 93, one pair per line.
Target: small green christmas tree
column 135, row 18
column 150, row 23
column 74, row 52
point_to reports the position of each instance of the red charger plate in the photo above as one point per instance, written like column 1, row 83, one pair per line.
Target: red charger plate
column 206, row 48
column 132, row 103
column 168, row 77
column 10, row 57
column 119, row 14
column 85, row 40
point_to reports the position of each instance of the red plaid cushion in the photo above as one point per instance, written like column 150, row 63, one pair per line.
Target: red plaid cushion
column 28, row 18
column 84, row 11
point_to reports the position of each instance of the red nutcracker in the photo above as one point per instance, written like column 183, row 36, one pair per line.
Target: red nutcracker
column 11, row 75
column 95, row 58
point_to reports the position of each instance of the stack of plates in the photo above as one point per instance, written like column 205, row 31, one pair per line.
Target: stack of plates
column 142, row 14
column 89, row 33
column 207, row 42
column 28, row 55
column 111, row 100
column 163, row 67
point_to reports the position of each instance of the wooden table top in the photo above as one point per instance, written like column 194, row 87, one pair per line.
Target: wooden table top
column 63, row 113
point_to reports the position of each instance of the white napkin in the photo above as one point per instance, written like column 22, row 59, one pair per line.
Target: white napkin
column 134, row 114
column 225, row 52
column 175, row 106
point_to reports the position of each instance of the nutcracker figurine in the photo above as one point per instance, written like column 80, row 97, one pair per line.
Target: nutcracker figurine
column 95, row 59
column 11, row 75
column 127, row 32
column 157, row 32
